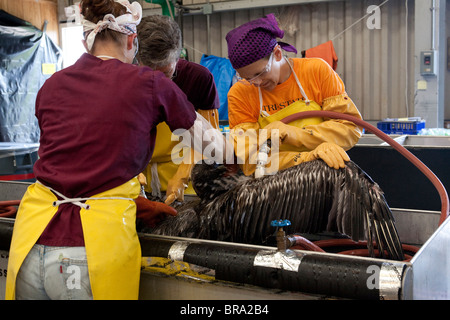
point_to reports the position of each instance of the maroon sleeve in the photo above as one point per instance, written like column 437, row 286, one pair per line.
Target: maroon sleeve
column 178, row 112
column 197, row 82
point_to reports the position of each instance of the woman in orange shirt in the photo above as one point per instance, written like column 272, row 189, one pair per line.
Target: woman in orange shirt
column 271, row 87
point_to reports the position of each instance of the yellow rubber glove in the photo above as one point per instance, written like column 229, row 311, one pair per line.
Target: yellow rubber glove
column 143, row 182
column 178, row 183
column 291, row 135
column 142, row 179
column 333, row 155
column 245, row 141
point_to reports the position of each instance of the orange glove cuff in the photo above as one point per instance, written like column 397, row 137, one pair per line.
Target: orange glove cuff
column 152, row 212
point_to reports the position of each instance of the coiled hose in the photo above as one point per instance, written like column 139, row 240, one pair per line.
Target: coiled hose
column 319, row 245
column 8, row 208
column 342, row 246
column 402, row 150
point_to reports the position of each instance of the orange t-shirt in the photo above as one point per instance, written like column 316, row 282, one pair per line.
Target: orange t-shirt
column 318, row 79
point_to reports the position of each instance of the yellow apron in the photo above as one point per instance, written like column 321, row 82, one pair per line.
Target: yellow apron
column 109, row 227
column 298, row 106
column 161, row 163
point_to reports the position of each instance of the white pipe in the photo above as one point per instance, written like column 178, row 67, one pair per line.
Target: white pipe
column 433, row 25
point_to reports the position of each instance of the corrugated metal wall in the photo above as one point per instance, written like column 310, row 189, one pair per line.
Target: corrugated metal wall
column 375, row 64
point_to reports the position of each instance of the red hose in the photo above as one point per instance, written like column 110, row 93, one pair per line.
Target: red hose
column 355, row 248
column 328, row 243
column 340, row 242
column 301, row 243
column 8, row 209
column 365, row 253
column 402, row 150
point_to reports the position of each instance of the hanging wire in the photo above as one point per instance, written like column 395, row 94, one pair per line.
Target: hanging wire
column 357, row 21
column 198, row 51
column 170, row 9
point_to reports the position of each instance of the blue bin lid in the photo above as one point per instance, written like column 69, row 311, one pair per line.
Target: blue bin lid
column 17, row 145
column 12, row 148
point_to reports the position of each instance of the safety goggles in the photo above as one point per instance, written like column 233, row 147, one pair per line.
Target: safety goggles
column 259, row 75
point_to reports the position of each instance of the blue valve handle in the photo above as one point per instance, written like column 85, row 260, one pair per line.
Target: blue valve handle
column 280, row 223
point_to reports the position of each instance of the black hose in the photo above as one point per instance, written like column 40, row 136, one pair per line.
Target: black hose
column 315, row 273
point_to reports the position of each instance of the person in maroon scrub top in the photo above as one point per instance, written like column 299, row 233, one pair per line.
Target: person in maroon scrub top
column 75, row 234
column 160, row 45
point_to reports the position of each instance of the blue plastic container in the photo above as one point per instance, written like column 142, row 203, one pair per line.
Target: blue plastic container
column 411, row 127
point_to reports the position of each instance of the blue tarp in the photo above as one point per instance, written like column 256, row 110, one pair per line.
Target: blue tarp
column 223, row 74
column 25, row 54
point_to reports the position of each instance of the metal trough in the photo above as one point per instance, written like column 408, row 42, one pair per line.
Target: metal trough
column 180, row 268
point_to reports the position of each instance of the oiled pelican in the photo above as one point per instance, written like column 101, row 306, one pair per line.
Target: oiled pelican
column 312, row 196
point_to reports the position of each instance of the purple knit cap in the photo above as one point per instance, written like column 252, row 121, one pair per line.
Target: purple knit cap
column 254, row 40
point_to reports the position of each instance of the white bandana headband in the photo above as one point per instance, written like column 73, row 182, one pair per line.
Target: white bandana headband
column 125, row 23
